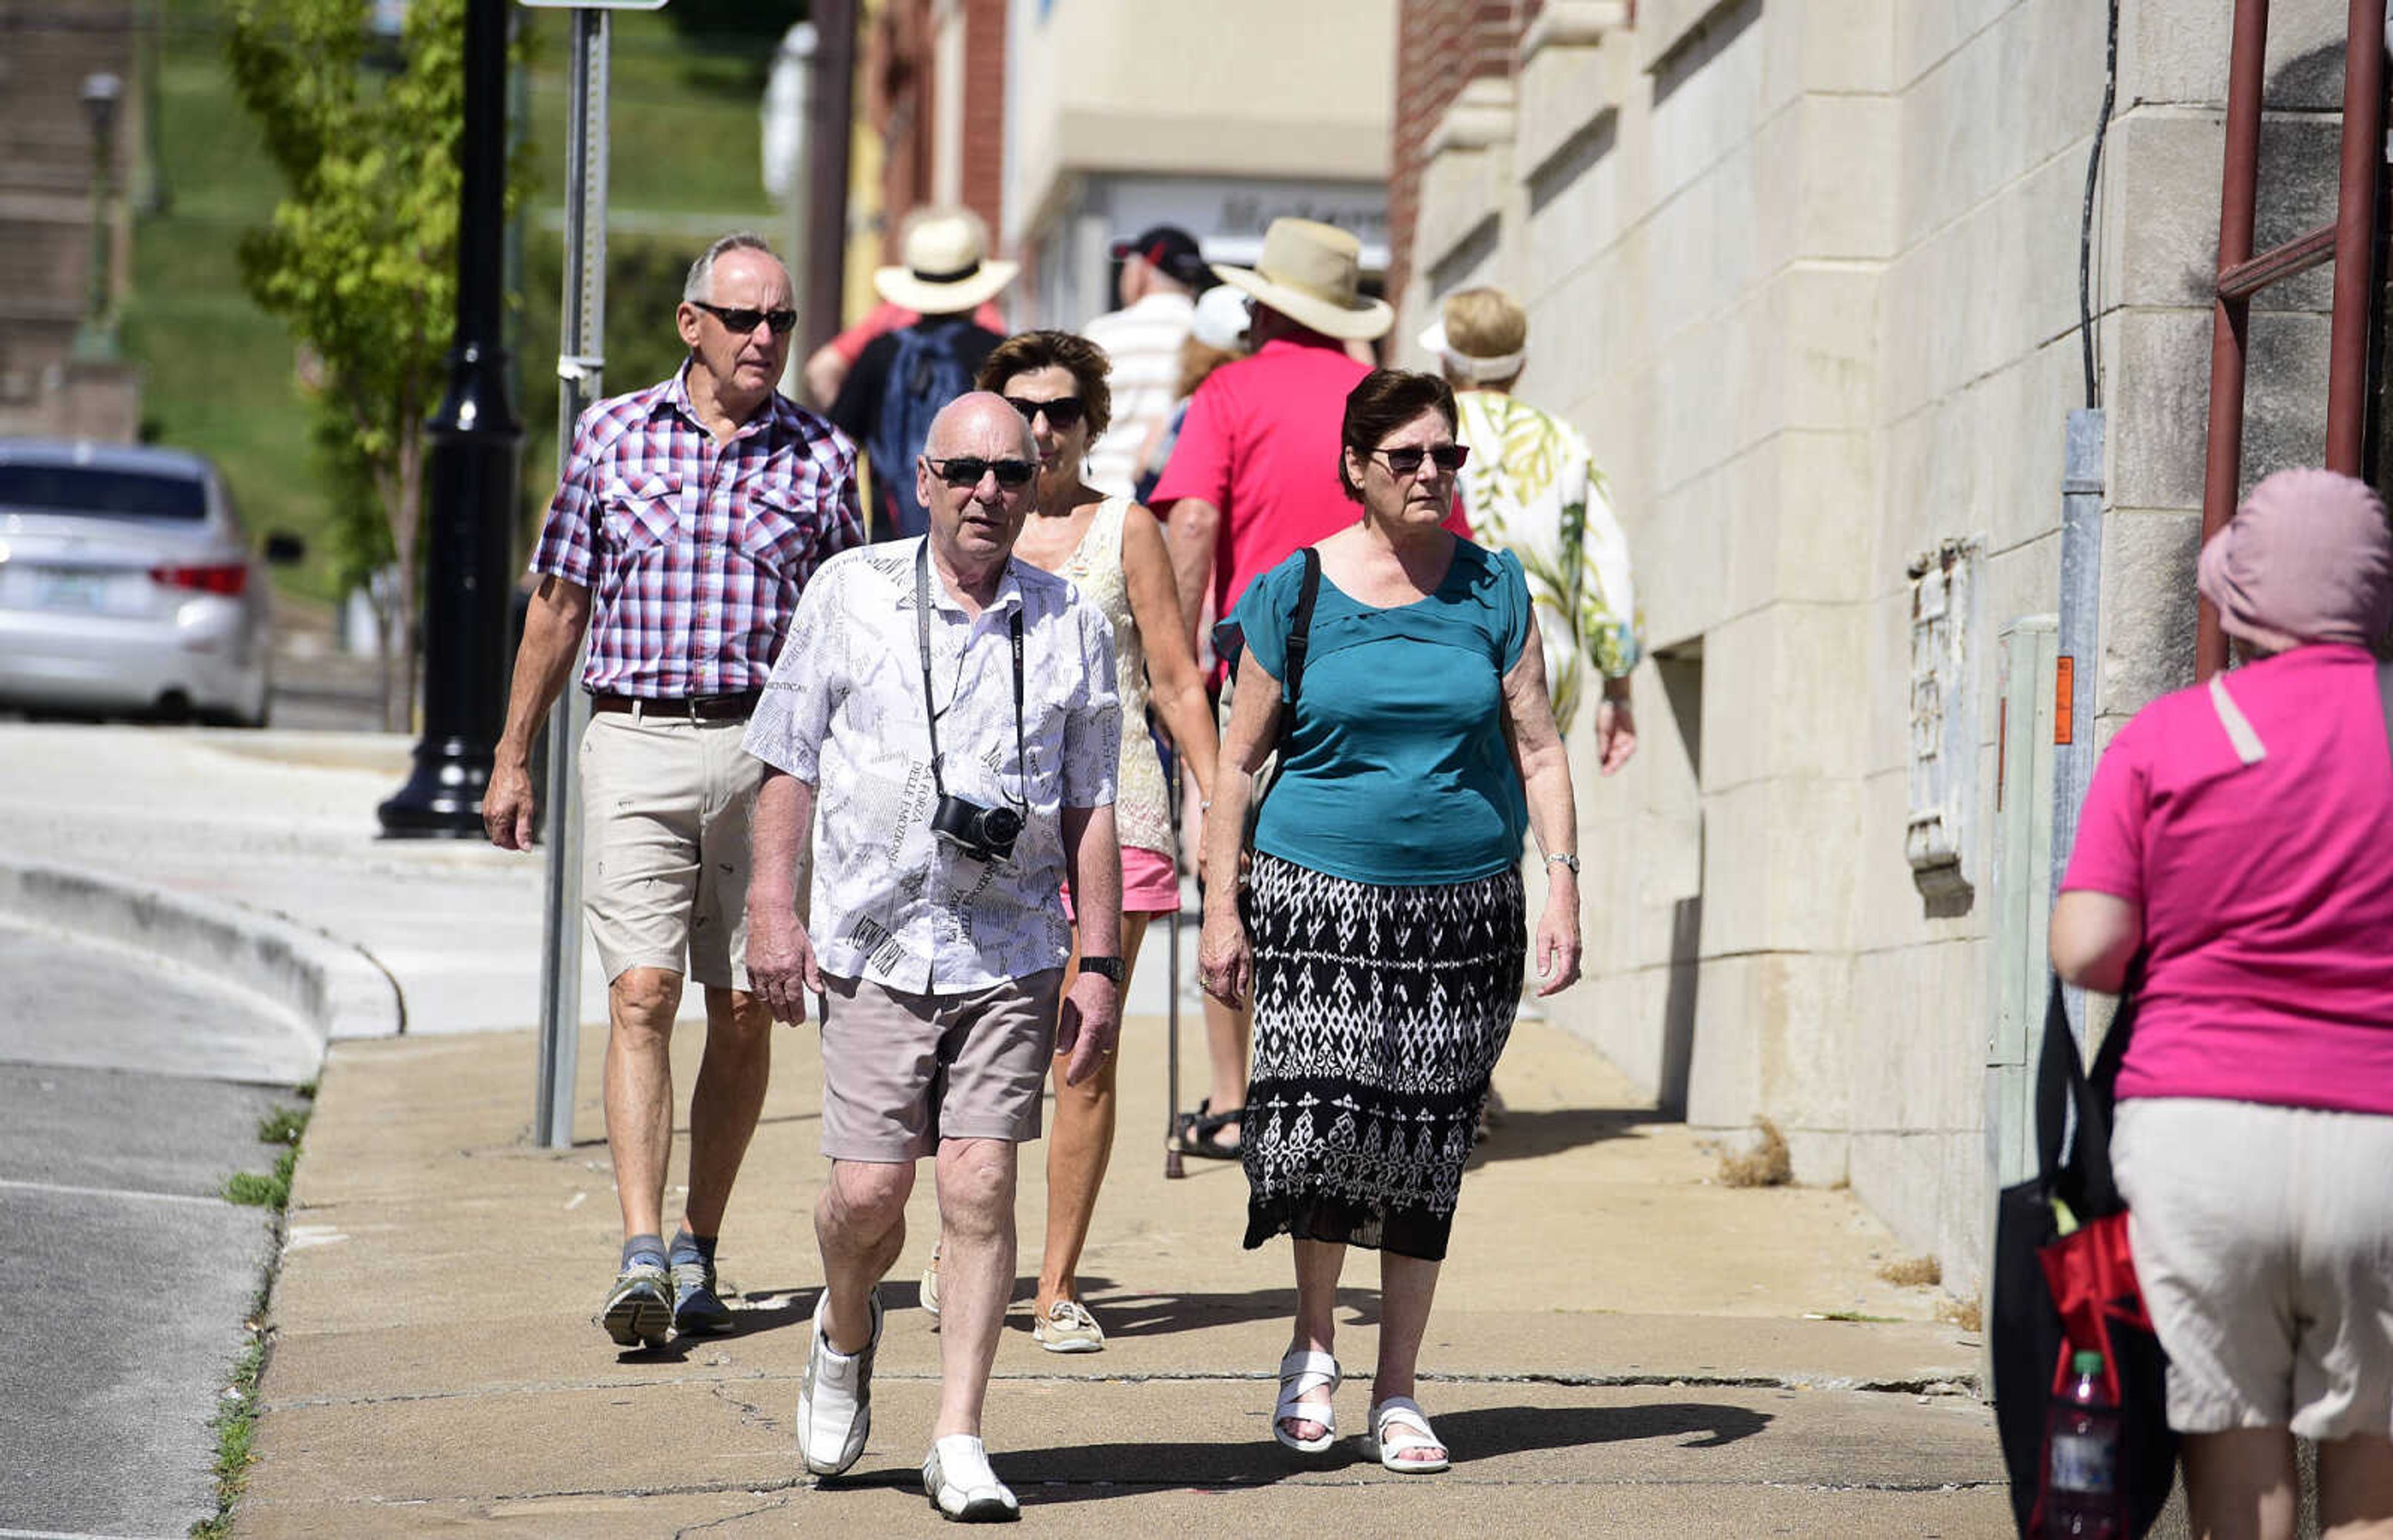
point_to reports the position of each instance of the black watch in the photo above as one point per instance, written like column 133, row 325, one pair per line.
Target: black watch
column 1106, row 967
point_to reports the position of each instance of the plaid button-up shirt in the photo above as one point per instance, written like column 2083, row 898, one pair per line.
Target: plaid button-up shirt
column 695, row 552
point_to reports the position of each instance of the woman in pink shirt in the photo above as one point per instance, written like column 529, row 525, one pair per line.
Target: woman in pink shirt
column 2239, row 837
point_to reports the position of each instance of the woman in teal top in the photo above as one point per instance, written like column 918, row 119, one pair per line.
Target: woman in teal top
column 1382, row 928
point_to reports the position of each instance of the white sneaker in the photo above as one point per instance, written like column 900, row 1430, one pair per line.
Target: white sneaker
column 836, row 1402
column 956, row 1479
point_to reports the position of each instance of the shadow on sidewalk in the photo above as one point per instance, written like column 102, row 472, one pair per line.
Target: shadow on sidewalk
column 1131, row 1314
column 1089, row 1473
column 1528, row 1135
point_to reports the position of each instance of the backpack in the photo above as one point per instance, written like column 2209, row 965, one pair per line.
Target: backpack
column 923, row 376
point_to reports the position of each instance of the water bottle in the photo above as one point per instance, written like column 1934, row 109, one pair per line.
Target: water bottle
column 2081, row 1500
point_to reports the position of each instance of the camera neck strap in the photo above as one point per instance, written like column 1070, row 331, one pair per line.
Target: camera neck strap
column 930, row 705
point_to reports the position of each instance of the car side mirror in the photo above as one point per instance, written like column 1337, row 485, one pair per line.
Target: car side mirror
column 284, row 549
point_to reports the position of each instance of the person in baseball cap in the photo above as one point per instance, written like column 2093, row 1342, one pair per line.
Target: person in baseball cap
column 1161, row 273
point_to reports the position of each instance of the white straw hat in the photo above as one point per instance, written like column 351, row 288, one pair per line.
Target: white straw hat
column 947, row 271
column 1313, row 274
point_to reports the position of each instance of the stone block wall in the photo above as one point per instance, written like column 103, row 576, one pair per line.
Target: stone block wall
column 1806, row 273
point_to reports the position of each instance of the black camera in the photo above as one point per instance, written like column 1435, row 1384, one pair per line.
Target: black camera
column 985, row 834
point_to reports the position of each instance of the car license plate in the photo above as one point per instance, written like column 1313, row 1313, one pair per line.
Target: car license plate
column 70, row 588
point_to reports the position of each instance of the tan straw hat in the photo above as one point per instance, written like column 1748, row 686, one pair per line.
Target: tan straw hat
column 947, row 271
column 1312, row 273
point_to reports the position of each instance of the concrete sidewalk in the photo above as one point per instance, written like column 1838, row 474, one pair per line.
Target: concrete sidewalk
column 1620, row 1347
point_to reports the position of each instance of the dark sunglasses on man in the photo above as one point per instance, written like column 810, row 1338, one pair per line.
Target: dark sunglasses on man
column 1448, row 458
column 743, row 321
column 964, row 470
column 1064, row 413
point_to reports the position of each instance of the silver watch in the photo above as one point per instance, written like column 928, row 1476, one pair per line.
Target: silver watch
column 1563, row 858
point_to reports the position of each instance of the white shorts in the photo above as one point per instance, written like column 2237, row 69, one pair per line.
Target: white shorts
column 664, row 844
column 2263, row 1238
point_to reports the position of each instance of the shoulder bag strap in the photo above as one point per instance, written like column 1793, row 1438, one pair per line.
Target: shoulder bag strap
column 1300, row 630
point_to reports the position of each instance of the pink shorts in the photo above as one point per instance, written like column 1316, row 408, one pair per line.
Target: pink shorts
column 1150, row 883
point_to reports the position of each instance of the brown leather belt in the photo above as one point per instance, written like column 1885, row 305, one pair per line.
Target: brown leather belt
column 687, row 708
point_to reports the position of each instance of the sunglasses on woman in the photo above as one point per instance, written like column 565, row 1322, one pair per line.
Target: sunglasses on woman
column 1064, row 412
column 966, row 470
column 743, row 321
column 1448, row 458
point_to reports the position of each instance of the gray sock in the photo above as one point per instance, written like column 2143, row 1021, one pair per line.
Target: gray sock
column 646, row 1249
column 687, row 1247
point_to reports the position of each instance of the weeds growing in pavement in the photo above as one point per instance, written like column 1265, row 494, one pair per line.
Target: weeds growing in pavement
column 236, row 1419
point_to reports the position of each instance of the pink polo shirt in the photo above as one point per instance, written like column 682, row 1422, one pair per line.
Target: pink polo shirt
column 2266, row 888
column 1261, row 444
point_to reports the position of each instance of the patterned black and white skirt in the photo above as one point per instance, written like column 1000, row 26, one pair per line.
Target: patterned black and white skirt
column 1379, row 1012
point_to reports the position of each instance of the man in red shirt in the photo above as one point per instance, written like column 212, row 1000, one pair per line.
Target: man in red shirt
column 1252, row 480
column 1254, row 477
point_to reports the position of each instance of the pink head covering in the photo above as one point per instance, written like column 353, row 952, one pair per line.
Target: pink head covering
column 2307, row 558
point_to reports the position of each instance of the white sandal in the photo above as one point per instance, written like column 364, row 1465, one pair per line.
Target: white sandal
column 1398, row 1426
column 1304, row 1369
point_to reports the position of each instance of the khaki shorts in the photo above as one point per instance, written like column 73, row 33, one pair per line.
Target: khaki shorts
column 902, row 1071
column 2263, row 1238
column 664, row 844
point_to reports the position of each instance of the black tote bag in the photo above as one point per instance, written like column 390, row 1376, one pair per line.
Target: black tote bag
column 2055, row 1294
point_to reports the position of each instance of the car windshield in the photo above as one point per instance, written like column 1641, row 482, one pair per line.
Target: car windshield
column 101, row 493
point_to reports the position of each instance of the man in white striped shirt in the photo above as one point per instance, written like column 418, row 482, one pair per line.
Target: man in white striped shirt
column 1160, row 274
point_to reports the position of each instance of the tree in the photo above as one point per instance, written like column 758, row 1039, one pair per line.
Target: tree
column 361, row 260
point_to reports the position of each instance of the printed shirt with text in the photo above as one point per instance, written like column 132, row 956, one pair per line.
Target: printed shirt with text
column 694, row 552
column 893, row 902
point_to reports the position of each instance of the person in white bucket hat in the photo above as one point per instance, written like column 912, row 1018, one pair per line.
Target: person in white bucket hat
column 905, row 376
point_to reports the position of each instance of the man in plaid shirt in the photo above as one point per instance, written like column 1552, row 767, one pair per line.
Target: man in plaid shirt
column 690, row 515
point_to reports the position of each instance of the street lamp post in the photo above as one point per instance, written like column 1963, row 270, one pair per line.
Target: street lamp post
column 476, row 439
column 96, row 339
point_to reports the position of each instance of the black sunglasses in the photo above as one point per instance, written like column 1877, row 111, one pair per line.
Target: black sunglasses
column 964, row 470
column 1064, row 413
column 1448, row 458
column 743, row 321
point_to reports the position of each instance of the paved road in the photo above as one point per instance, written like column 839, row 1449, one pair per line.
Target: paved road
column 124, row 1280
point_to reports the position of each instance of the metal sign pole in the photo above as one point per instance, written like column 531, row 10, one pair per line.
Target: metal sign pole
column 581, row 361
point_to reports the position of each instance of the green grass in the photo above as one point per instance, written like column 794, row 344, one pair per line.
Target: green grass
column 236, row 1419
column 219, row 373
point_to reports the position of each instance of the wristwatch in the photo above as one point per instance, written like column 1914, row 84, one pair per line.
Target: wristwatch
column 1105, row 967
column 1563, row 858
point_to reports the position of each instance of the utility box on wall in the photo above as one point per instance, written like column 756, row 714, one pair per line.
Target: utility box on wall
column 1945, row 604
column 2022, row 894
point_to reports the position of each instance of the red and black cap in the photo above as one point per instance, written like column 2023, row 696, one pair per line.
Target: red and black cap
column 1172, row 251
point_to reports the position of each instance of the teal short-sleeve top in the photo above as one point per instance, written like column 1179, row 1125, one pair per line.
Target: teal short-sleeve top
column 1396, row 771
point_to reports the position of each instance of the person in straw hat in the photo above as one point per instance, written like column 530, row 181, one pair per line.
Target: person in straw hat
column 1531, row 489
column 905, row 376
column 1250, row 482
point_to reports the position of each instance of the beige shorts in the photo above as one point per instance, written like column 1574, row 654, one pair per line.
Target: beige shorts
column 2263, row 1238
column 664, row 844
column 902, row 1072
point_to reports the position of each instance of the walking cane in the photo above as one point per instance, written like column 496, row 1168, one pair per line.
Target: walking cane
column 1172, row 1167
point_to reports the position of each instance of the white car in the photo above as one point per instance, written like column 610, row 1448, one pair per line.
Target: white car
column 127, row 586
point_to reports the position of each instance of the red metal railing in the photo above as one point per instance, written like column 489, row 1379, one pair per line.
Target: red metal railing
column 2350, row 242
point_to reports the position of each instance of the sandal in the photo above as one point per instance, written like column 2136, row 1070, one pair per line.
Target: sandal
column 1199, row 1133
column 1304, row 1369
column 1398, row 1427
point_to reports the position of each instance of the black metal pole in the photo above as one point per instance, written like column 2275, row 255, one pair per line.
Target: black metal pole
column 472, row 474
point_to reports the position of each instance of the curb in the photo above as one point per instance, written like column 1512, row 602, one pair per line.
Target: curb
column 334, row 988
